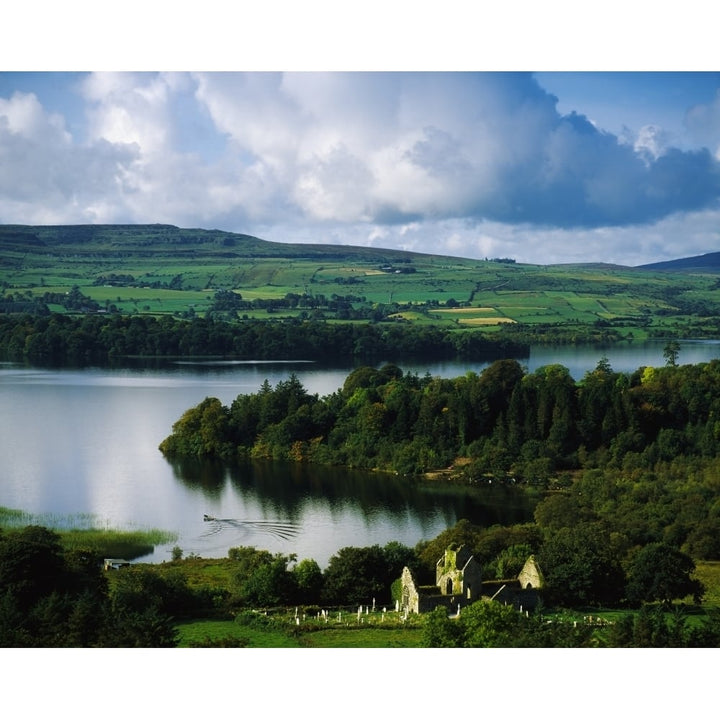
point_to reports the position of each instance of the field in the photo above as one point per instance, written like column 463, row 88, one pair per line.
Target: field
column 164, row 270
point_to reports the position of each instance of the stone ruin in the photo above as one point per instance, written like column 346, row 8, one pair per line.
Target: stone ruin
column 458, row 582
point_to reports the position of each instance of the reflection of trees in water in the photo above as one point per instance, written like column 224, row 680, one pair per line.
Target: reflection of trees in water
column 286, row 489
column 206, row 476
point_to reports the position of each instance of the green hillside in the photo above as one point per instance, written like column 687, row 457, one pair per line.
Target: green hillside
column 165, row 270
column 709, row 263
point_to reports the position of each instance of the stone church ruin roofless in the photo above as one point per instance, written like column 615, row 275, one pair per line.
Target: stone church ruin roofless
column 458, row 582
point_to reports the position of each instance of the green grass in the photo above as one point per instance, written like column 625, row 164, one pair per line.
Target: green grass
column 363, row 638
column 708, row 572
column 198, row 631
column 212, row 573
column 127, row 544
column 84, row 531
column 281, row 631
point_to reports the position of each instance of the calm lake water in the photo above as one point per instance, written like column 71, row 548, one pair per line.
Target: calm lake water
column 85, row 442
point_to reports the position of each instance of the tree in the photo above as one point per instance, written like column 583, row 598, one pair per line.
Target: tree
column 581, row 568
column 492, row 624
column 662, row 572
column 201, row 431
column 357, row 575
column 560, row 510
column 31, row 564
column 263, row 578
column 271, row 583
column 53, row 598
column 308, row 580
column 439, row 631
column 511, row 560
column 671, row 352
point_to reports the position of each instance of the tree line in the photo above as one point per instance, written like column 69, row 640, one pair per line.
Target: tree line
column 103, row 338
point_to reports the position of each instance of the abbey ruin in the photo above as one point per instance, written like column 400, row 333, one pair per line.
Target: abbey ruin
column 458, row 583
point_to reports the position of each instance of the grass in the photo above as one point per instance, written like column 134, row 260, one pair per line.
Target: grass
column 376, row 630
column 363, row 638
column 199, row 631
column 83, row 531
column 126, row 544
column 708, row 572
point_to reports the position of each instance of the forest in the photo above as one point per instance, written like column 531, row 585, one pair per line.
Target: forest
column 95, row 338
column 504, row 424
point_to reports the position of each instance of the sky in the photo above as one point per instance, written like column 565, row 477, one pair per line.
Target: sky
column 544, row 166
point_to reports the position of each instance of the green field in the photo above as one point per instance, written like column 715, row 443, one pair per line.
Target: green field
column 164, row 270
column 312, row 634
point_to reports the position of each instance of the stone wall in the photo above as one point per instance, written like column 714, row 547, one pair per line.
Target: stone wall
column 531, row 576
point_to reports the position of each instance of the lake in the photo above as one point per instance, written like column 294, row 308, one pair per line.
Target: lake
column 77, row 442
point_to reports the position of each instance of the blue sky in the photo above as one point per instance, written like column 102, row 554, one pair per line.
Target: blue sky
column 561, row 166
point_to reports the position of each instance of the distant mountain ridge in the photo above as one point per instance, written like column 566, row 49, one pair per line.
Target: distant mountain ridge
column 710, row 262
column 158, row 239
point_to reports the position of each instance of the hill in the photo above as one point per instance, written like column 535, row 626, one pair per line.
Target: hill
column 708, row 263
column 148, row 241
column 163, row 270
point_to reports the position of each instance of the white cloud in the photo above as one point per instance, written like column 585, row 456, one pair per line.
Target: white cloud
column 651, row 142
column 45, row 176
column 127, row 108
column 460, row 163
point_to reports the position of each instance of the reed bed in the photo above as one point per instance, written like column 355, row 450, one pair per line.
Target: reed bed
column 85, row 531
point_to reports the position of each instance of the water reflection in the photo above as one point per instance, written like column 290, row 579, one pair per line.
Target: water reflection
column 289, row 491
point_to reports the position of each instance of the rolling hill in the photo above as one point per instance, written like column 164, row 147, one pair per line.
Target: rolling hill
column 708, row 263
column 166, row 270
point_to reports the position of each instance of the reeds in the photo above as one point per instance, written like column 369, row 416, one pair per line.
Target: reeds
column 84, row 531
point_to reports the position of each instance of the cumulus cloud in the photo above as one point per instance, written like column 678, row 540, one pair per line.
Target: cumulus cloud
column 394, row 147
column 479, row 164
column 45, row 176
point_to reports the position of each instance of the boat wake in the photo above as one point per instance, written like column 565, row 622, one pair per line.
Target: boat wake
column 277, row 529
